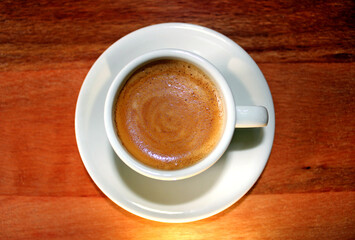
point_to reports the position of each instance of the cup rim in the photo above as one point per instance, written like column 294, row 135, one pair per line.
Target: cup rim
column 215, row 76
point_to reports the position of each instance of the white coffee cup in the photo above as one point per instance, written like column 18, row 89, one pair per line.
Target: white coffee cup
column 236, row 116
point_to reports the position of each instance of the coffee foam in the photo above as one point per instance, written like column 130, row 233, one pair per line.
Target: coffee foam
column 169, row 115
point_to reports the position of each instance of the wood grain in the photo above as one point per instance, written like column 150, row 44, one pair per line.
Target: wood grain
column 271, row 31
column 315, row 128
column 274, row 216
column 314, row 154
column 305, row 50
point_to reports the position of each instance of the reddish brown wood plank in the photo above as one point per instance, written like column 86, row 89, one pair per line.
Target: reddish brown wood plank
column 313, row 149
column 285, row 216
column 38, row 152
column 315, row 128
column 271, row 31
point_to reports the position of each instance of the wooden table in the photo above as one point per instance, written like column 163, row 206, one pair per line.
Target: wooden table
column 305, row 50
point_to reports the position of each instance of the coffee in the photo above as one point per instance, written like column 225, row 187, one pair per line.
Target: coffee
column 169, row 114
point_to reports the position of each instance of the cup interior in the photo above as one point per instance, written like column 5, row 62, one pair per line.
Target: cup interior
column 219, row 82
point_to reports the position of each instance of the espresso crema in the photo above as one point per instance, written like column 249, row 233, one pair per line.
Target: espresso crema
column 169, row 114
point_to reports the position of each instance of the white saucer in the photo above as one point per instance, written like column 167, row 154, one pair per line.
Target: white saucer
column 205, row 194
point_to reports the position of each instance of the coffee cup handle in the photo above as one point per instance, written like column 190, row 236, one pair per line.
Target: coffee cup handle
column 251, row 117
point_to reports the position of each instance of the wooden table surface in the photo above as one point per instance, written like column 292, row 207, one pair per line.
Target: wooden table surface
column 305, row 50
